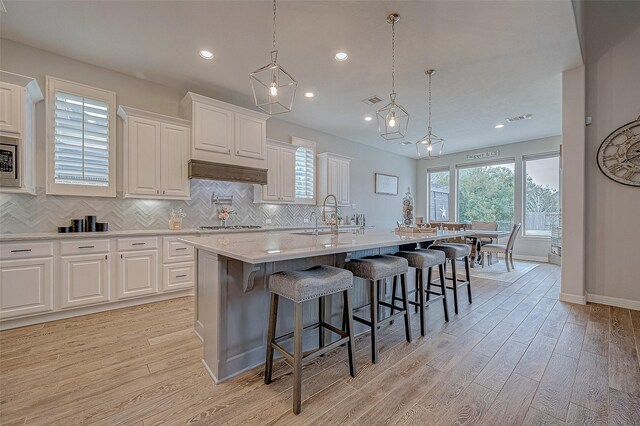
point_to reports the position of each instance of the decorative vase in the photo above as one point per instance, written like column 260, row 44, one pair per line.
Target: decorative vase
column 407, row 209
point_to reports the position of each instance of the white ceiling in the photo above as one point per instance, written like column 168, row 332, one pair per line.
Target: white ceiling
column 494, row 59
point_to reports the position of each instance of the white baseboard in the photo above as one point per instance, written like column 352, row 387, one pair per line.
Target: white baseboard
column 573, row 298
column 614, row 301
column 541, row 259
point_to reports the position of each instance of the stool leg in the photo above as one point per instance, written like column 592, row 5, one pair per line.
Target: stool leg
column 405, row 300
column 454, row 272
column 351, row 345
column 271, row 334
column 443, row 289
column 466, row 268
column 321, row 321
column 418, row 281
column 382, row 284
column 394, row 289
column 297, row 359
column 373, row 290
column 421, row 290
column 429, row 278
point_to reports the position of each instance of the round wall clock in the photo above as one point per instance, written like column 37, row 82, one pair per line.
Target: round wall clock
column 619, row 154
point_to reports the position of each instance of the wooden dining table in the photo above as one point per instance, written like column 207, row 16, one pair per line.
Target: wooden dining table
column 475, row 241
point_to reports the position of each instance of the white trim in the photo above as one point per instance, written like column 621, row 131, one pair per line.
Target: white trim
column 614, row 301
column 573, row 298
column 541, row 259
column 76, row 312
column 194, row 97
column 208, row 370
column 125, row 111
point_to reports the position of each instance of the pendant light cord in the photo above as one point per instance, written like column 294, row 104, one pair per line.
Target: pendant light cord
column 429, row 109
column 393, row 56
column 274, row 24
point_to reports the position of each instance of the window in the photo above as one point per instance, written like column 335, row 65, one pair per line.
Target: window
column 542, row 194
column 305, row 170
column 439, row 195
column 486, row 193
column 81, row 151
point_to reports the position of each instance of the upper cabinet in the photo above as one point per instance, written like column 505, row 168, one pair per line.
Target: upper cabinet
column 18, row 96
column 333, row 178
column 156, row 155
column 281, row 185
column 225, row 133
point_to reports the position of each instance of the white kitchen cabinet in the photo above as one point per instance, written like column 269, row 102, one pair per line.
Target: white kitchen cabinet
column 225, row 133
column 156, row 156
column 26, row 287
column 85, row 279
column 280, row 187
column 178, row 276
column 137, row 273
column 334, row 178
column 11, row 108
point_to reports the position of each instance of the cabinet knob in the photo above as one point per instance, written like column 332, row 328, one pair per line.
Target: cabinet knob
column 229, row 150
column 238, row 152
column 163, row 192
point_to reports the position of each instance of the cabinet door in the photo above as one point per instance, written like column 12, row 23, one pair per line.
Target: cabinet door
column 343, row 183
column 178, row 276
column 174, row 160
column 85, row 279
column 10, row 108
column 271, row 191
column 213, row 129
column 287, row 175
column 143, row 170
column 333, row 179
column 250, row 138
column 138, row 273
column 26, row 287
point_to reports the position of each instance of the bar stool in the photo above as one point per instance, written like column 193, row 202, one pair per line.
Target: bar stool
column 299, row 287
column 453, row 252
column 376, row 269
column 422, row 259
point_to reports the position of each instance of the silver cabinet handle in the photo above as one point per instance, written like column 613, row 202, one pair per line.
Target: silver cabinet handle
column 163, row 192
column 138, row 244
column 158, row 191
column 181, row 276
column 86, row 247
column 21, row 251
column 181, row 248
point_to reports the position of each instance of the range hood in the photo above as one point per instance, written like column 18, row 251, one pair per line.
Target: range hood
column 226, row 172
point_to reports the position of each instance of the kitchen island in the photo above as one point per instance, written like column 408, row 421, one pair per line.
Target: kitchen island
column 232, row 285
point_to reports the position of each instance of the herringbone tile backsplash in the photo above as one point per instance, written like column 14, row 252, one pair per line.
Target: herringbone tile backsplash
column 44, row 213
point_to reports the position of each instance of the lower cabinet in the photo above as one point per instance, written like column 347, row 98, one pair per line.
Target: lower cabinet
column 26, row 287
column 85, row 280
column 137, row 273
column 178, row 276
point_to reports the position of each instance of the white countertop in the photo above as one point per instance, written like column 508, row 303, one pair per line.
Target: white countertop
column 285, row 245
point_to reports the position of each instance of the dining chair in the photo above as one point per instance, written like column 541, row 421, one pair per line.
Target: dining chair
column 506, row 249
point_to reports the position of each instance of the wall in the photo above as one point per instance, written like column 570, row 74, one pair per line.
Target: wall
column 22, row 213
column 534, row 248
column 612, row 99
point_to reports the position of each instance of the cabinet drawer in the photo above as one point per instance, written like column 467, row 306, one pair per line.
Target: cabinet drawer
column 137, row 243
column 25, row 250
column 176, row 251
column 178, row 276
column 84, row 247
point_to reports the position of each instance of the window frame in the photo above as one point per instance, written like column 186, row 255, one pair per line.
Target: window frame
column 533, row 157
column 308, row 144
column 54, row 84
column 442, row 169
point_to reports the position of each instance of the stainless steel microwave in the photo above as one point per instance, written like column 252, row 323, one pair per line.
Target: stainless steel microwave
column 9, row 173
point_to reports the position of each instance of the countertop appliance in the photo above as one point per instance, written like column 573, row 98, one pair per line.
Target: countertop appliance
column 9, row 174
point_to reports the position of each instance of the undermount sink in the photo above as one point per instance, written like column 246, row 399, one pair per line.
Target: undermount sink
column 323, row 232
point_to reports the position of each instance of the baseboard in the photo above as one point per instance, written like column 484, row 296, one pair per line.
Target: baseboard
column 573, row 298
column 540, row 259
column 614, row 301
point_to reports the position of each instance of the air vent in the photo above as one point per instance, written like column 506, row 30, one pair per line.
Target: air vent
column 372, row 100
column 406, row 143
column 519, row 117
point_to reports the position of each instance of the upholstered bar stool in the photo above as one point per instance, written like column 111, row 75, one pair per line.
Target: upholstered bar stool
column 299, row 287
column 453, row 252
column 376, row 269
column 421, row 260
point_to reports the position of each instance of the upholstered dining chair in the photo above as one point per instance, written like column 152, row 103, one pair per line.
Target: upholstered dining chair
column 506, row 249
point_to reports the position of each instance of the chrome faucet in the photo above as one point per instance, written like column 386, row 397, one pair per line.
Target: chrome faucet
column 315, row 233
column 334, row 226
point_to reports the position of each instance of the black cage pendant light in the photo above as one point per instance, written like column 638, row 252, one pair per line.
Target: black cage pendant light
column 392, row 118
column 273, row 87
column 432, row 143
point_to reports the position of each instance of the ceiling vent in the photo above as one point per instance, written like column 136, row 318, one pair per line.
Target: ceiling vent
column 372, row 100
column 519, row 117
column 406, row 143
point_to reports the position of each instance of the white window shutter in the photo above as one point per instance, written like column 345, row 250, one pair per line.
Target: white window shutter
column 304, row 173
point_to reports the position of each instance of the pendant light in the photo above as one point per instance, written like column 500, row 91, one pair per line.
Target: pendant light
column 431, row 142
column 273, row 87
column 392, row 118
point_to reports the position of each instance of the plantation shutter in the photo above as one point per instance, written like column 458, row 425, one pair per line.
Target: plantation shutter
column 81, row 144
column 305, row 165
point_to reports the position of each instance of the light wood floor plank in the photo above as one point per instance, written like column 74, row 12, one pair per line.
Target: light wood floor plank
column 535, row 359
column 498, row 370
column 625, row 408
column 512, row 403
column 554, row 393
column 581, row 416
column 591, row 384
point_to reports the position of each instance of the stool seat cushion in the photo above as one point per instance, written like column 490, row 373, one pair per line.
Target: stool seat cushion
column 378, row 267
column 310, row 284
column 452, row 250
column 423, row 258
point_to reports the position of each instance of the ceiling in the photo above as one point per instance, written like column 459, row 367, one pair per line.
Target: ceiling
column 494, row 59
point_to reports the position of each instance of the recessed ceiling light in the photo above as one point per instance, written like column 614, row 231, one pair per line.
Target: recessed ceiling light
column 368, row 118
column 499, row 126
column 206, row 54
column 309, row 95
column 341, row 56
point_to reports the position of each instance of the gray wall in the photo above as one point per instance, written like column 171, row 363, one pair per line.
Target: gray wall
column 612, row 99
column 21, row 213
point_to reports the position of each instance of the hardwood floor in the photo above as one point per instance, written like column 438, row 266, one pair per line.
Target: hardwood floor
column 515, row 356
